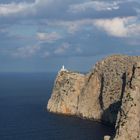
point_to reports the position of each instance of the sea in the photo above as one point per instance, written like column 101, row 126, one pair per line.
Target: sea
column 23, row 114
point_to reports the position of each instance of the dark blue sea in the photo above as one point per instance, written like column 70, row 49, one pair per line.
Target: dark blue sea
column 23, row 99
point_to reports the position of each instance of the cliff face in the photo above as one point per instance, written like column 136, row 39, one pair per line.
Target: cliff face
column 109, row 93
column 101, row 95
column 128, row 120
column 66, row 91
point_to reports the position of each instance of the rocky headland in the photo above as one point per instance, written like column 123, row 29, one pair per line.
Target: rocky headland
column 109, row 93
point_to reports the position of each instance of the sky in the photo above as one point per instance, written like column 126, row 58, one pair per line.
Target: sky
column 42, row 35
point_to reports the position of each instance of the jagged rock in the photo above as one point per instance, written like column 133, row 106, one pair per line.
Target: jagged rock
column 128, row 121
column 66, row 90
column 100, row 98
column 110, row 93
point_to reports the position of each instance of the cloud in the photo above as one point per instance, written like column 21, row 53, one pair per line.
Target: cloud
column 119, row 27
column 25, row 52
column 46, row 54
column 114, row 27
column 62, row 49
column 96, row 5
column 38, row 10
column 23, row 7
column 77, row 18
column 48, row 37
column 34, row 9
column 72, row 26
column 14, row 8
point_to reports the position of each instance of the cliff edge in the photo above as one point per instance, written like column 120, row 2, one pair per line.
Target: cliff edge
column 109, row 93
column 66, row 91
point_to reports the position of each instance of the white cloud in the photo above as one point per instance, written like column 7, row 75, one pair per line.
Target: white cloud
column 119, row 27
column 62, row 49
column 36, row 8
column 13, row 8
column 27, row 51
column 49, row 37
column 97, row 5
column 22, row 7
column 114, row 27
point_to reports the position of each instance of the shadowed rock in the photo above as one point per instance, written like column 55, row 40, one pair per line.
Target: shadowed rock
column 108, row 93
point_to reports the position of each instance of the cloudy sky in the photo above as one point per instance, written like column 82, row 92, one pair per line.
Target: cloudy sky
column 41, row 35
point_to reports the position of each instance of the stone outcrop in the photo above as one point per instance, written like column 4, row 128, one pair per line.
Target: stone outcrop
column 110, row 93
column 128, row 120
column 66, row 91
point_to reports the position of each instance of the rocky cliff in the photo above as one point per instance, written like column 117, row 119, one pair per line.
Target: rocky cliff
column 66, row 91
column 110, row 93
column 128, row 120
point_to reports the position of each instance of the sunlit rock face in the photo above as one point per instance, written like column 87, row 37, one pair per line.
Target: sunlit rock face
column 108, row 93
column 66, row 91
column 104, row 86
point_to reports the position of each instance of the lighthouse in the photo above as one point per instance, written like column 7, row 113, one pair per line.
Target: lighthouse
column 63, row 68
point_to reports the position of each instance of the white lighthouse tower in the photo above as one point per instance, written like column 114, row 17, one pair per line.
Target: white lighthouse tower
column 63, row 68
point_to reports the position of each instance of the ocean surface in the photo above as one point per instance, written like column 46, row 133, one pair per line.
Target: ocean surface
column 23, row 99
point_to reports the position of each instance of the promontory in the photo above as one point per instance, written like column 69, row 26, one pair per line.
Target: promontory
column 109, row 93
